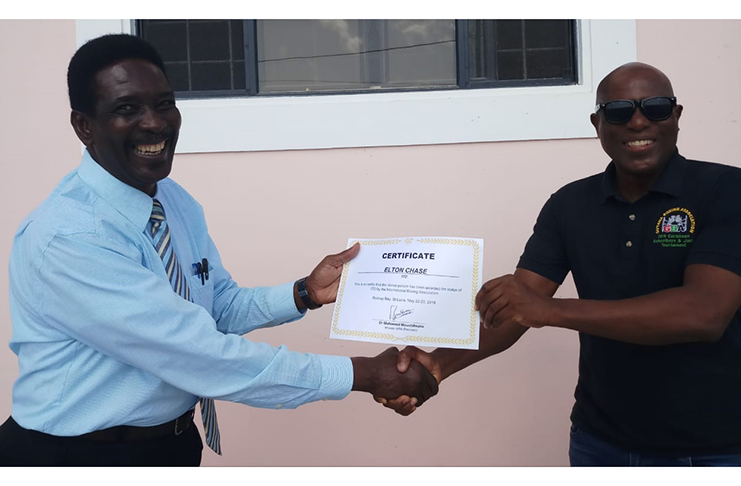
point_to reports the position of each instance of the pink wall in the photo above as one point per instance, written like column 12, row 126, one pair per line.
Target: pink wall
column 508, row 410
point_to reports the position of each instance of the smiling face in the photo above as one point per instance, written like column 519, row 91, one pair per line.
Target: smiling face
column 135, row 125
column 640, row 148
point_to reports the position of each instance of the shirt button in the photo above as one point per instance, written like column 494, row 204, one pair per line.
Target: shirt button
column 279, row 405
column 629, row 244
column 632, row 217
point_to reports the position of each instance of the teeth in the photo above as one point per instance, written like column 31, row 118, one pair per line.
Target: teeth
column 151, row 149
column 640, row 143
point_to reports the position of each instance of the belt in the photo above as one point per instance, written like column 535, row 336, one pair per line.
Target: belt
column 127, row 433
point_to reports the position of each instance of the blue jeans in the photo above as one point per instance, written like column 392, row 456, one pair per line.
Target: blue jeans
column 587, row 450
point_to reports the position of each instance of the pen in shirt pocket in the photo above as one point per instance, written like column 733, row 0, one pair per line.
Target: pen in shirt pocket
column 201, row 268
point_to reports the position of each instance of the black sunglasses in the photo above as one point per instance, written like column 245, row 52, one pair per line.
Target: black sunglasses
column 656, row 108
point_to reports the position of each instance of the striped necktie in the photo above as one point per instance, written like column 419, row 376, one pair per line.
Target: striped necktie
column 160, row 233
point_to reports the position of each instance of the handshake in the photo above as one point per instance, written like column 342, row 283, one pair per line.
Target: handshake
column 401, row 381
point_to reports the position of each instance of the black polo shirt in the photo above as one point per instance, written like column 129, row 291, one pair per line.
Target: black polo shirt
column 674, row 400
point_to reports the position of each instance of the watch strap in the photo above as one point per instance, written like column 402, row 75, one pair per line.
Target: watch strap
column 304, row 295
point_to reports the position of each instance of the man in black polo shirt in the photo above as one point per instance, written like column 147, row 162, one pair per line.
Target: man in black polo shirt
column 654, row 246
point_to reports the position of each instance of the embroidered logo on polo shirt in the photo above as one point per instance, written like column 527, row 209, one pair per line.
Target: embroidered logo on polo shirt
column 675, row 228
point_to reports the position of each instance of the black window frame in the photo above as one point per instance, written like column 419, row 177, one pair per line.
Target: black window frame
column 463, row 79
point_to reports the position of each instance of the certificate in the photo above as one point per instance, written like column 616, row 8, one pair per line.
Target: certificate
column 414, row 290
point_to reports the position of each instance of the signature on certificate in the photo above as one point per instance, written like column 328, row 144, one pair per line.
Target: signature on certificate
column 394, row 312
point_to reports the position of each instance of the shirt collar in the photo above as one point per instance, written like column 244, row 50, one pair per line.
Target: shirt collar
column 132, row 203
column 672, row 179
column 609, row 184
column 670, row 182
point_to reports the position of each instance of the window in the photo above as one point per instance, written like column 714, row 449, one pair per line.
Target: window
column 519, row 53
column 404, row 116
column 217, row 58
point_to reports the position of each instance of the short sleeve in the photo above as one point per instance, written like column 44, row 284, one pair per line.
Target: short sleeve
column 718, row 240
column 545, row 252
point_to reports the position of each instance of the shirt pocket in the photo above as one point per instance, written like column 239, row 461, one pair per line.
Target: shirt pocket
column 202, row 292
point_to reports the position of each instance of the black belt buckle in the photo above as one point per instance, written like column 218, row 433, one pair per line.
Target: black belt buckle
column 186, row 418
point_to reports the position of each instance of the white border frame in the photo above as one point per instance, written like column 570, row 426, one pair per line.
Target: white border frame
column 408, row 118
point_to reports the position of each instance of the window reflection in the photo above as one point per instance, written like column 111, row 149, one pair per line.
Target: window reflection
column 328, row 55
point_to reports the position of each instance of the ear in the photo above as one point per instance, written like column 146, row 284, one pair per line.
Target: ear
column 81, row 124
column 594, row 118
column 678, row 111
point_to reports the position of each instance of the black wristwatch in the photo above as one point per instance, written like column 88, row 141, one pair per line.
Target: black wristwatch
column 304, row 294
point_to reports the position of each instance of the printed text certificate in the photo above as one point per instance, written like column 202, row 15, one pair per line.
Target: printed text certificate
column 411, row 290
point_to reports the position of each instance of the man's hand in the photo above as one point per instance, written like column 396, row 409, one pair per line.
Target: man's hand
column 405, row 405
column 507, row 298
column 442, row 363
column 323, row 281
column 380, row 376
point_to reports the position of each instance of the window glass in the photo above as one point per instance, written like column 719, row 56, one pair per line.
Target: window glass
column 199, row 55
column 332, row 55
column 508, row 50
column 207, row 57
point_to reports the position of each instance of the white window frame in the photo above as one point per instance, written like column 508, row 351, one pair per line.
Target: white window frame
column 402, row 118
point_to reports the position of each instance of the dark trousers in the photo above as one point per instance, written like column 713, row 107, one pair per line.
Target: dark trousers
column 587, row 450
column 22, row 447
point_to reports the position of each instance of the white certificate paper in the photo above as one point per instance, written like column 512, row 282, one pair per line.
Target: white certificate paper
column 413, row 290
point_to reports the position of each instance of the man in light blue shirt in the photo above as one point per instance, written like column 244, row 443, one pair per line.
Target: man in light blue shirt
column 123, row 319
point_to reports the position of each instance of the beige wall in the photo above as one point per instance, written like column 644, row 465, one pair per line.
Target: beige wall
column 274, row 215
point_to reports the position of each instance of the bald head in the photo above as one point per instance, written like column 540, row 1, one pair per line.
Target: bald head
column 639, row 145
column 631, row 73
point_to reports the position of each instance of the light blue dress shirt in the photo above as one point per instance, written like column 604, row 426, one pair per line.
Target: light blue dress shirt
column 103, row 340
